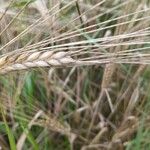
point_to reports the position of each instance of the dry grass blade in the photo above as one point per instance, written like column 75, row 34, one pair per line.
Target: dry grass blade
column 22, row 138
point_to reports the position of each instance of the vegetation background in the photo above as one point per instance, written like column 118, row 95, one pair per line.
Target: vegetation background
column 74, row 74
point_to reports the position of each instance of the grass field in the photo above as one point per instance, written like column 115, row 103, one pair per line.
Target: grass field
column 74, row 74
